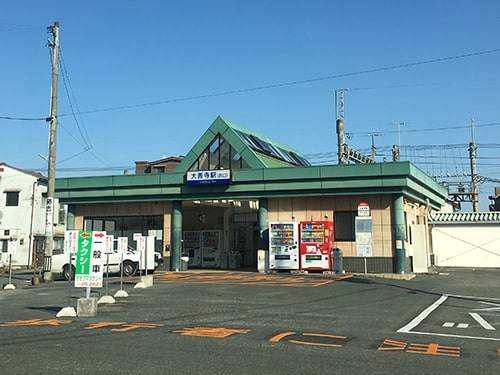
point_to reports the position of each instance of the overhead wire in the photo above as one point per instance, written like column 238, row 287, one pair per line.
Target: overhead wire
column 18, row 28
column 80, row 123
column 296, row 82
column 87, row 144
column 424, row 157
column 23, row 118
column 282, row 84
column 444, row 128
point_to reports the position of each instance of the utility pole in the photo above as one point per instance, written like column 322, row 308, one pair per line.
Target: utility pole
column 49, row 213
column 339, row 103
column 398, row 124
column 395, row 153
column 339, row 120
column 473, row 170
column 374, row 149
column 346, row 153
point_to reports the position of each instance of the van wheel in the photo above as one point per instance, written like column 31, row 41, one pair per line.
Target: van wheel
column 129, row 268
column 66, row 272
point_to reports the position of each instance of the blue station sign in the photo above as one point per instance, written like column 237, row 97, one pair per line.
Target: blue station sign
column 218, row 177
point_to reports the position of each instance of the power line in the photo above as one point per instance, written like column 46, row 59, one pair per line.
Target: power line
column 297, row 82
column 18, row 28
column 23, row 118
column 415, row 147
column 428, row 129
column 87, row 169
column 72, row 98
column 271, row 86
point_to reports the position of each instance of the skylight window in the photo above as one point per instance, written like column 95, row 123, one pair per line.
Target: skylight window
column 260, row 145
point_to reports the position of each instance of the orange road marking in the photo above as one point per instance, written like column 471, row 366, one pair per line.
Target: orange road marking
column 131, row 326
column 392, row 345
column 104, row 324
column 285, row 334
column 318, row 343
column 124, row 326
column 280, row 336
column 314, row 343
column 344, row 277
column 247, row 279
column 324, row 335
column 210, row 332
column 37, row 322
column 434, row 349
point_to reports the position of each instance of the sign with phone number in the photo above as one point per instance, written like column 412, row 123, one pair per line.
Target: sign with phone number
column 89, row 259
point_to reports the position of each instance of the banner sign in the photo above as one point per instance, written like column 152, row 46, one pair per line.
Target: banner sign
column 49, row 217
column 122, row 244
column 11, row 247
column 71, row 241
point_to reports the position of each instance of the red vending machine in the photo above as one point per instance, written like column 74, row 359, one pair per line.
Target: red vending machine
column 316, row 241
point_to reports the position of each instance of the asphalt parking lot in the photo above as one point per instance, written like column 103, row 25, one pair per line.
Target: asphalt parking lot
column 447, row 321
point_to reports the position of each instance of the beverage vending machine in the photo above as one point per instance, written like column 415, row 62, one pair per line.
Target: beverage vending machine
column 316, row 241
column 284, row 246
column 211, row 246
column 191, row 247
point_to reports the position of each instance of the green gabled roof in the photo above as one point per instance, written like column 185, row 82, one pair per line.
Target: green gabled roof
column 243, row 141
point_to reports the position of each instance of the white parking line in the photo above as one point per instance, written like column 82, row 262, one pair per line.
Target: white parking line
column 408, row 328
column 424, row 314
column 478, row 318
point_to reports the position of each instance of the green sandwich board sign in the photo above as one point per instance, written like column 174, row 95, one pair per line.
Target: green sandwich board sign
column 89, row 265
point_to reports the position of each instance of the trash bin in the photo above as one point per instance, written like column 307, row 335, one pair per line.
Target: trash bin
column 184, row 263
column 337, row 260
column 234, row 260
column 262, row 260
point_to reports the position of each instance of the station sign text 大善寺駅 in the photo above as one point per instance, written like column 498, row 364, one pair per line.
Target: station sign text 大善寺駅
column 220, row 177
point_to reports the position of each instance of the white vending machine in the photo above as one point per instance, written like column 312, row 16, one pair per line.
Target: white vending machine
column 211, row 246
column 191, row 247
column 284, row 246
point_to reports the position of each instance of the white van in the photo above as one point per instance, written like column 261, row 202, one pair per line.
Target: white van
column 130, row 263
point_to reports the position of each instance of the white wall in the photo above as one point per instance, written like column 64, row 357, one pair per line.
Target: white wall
column 466, row 245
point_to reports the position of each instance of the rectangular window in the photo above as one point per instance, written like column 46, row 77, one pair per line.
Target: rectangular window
column 203, row 161
column 344, row 222
column 12, row 198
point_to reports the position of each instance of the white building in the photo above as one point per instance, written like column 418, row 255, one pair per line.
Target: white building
column 22, row 216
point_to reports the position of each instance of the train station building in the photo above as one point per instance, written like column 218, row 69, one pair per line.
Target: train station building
column 234, row 182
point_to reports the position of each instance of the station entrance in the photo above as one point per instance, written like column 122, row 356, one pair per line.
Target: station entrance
column 220, row 234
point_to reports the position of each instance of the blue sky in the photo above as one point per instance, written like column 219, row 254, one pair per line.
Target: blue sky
column 145, row 75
